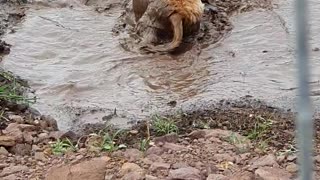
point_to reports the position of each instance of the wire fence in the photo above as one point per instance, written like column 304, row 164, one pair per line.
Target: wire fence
column 304, row 120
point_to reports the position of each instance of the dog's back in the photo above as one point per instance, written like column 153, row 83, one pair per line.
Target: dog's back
column 190, row 10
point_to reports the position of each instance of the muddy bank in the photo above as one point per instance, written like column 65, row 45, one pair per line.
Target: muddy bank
column 198, row 146
column 87, row 82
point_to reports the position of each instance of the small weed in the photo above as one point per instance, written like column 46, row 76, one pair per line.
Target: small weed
column 62, row 146
column 164, row 126
column 10, row 90
column 233, row 139
column 108, row 143
column 260, row 128
column 144, row 144
column 263, row 145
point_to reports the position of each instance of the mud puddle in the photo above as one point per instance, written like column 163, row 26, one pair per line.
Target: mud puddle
column 81, row 73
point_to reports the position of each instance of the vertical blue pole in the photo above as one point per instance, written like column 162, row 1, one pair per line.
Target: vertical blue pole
column 304, row 120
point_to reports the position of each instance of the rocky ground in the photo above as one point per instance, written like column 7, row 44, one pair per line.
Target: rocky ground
column 243, row 139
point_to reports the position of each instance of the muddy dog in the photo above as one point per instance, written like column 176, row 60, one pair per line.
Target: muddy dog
column 157, row 20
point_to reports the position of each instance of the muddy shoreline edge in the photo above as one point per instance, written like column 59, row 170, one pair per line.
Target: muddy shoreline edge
column 242, row 138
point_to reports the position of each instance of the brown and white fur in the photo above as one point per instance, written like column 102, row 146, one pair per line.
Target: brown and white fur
column 173, row 16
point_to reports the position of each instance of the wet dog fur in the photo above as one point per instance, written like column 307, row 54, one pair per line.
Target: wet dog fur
column 172, row 18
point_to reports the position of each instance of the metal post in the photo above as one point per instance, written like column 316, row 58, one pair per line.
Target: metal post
column 304, row 120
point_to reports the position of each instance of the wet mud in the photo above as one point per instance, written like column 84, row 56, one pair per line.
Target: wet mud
column 81, row 61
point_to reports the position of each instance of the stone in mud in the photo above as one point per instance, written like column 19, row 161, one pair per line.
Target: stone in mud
column 242, row 175
column 149, row 177
column 224, row 157
column 218, row 133
column 131, row 171
column 292, row 168
column 267, row 160
column 270, row 173
column 4, row 48
column 43, row 136
column 27, row 127
column 292, row 157
column 73, row 137
column 216, row 177
column 133, row 154
column 174, row 147
column 21, row 149
column 187, row 173
column 169, row 138
column 10, row 177
column 159, row 166
column 3, row 151
column 197, row 134
column 179, row 165
column 13, row 130
column 281, row 158
column 154, row 150
column 16, row 118
column 50, row 123
column 93, row 169
column 7, row 141
column 40, row 156
column 154, row 158
column 27, row 137
column 13, row 169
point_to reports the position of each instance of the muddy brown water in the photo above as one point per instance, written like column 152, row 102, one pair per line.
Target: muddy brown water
column 80, row 72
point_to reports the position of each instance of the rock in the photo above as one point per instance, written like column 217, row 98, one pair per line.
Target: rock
column 16, row 118
column 27, row 137
column 149, row 177
column 291, row 158
column 35, row 148
column 7, row 141
column 197, row 134
column 134, row 132
column 169, row 138
column 14, row 131
column 93, row 169
column 187, row 173
column 281, row 158
column 13, row 169
column 73, row 137
column 216, row 177
column 159, row 166
column 317, row 158
column 268, row 160
column 224, row 157
column 3, row 151
column 27, row 127
column 3, row 165
column 51, row 122
column 219, row 133
column 154, row 158
column 109, row 177
column 174, row 147
column 154, row 150
column 179, row 165
column 10, row 177
column 43, row 136
column 242, row 175
column 133, row 176
column 271, row 173
column 133, row 154
column 292, row 168
column 40, row 156
column 131, row 169
column 21, row 149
